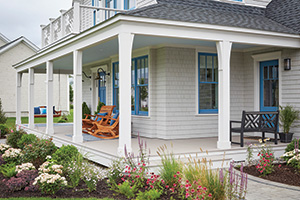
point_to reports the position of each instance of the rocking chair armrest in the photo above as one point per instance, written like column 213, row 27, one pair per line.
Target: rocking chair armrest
column 57, row 112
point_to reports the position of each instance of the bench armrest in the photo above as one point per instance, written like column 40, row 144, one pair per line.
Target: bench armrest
column 235, row 122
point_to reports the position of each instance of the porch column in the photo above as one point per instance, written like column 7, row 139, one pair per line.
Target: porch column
column 125, row 51
column 31, row 98
column 18, row 98
column 49, row 81
column 77, row 74
column 224, row 52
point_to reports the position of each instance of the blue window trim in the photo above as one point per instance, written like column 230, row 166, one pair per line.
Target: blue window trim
column 126, row 5
column 136, row 87
column 206, row 111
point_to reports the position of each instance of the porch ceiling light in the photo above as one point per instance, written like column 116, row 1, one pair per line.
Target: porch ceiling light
column 98, row 74
column 287, row 64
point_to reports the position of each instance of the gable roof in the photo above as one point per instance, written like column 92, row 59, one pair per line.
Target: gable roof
column 212, row 12
column 16, row 42
column 3, row 38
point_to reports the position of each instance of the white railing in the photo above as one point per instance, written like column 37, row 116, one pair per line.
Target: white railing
column 73, row 21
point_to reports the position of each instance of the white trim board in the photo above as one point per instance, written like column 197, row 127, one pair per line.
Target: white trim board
column 265, row 57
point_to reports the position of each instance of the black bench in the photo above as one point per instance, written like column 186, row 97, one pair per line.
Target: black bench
column 265, row 122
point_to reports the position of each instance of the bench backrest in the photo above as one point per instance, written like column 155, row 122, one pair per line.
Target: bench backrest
column 260, row 121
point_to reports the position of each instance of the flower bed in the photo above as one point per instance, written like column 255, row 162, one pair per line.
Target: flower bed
column 36, row 168
column 285, row 169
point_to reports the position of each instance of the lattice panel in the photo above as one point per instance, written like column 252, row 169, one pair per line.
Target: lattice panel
column 57, row 29
column 69, row 21
column 46, row 35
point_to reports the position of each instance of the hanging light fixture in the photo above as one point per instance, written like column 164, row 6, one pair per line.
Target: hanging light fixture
column 98, row 77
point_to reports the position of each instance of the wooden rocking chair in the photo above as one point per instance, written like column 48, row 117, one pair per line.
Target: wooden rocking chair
column 88, row 123
column 104, row 130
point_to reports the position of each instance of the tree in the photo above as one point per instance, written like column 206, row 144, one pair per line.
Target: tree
column 71, row 93
column 85, row 110
column 3, row 118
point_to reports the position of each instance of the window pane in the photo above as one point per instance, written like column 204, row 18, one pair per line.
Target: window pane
column 142, row 81
column 116, row 70
column 275, row 93
column 146, row 71
column 138, row 63
column 132, row 73
column 265, row 72
column 271, row 72
column 209, row 70
column 202, row 69
column 216, row 71
column 275, row 72
column 208, row 96
column 143, row 97
column 116, row 98
column 132, row 99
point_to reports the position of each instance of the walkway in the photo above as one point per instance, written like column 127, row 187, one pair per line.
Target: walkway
column 263, row 189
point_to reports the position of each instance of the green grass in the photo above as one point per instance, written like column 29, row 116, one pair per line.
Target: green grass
column 11, row 121
column 45, row 198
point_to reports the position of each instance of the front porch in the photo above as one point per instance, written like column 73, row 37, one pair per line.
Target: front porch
column 104, row 151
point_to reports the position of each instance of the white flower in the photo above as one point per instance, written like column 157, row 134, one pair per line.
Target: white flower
column 24, row 166
column 48, row 157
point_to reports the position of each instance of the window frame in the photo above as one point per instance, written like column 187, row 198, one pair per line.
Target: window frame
column 207, row 111
column 134, row 85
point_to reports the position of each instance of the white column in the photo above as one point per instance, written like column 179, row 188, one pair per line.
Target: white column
column 31, row 97
column 125, row 51
column 76, row 23
column 224, row 52
column 93, row 93
column 18, row 98
column 49, row 100
column 77, row 71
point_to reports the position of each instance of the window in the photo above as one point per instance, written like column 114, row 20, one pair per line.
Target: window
column 208, row 82
column 139, row 86
column 129, row 4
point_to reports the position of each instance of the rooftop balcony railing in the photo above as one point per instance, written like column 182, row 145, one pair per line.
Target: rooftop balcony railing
column 73, row 21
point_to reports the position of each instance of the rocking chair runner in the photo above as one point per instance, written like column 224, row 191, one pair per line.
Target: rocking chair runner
column 88, row 123
column 105, row 131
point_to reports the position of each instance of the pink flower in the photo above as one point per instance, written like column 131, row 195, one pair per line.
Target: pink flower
column 187, row 195
column 204, row 188
column 30, row 145
column 151, row 186
column 132, row 181
column 11, row 131
column 174, row 176
column 279, row 166
column 174, row 185
column 178, row 172
column 167, row 186
column 209, row 195
column 192, row 190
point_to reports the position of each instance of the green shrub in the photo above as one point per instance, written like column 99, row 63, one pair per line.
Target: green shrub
column 14, row 137
column 71, row 106
column 25, row 140
column 288, row 115
column 149, row 194
column 63, row 119
column 3, row 118
column 4, row 130
column 99, row 106
column 85, row 110
column 74, row 171
column 37, row 152
column 65, row 155
column 291, row 146
column 8, row 170
column 170, row 166
column 128, row 190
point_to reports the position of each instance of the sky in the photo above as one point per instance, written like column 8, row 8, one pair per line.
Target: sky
column 24, row 17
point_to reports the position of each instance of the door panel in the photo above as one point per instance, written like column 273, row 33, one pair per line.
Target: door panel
column 102, row 88
column 269, row 86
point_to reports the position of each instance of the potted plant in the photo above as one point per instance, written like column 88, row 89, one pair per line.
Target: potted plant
column 288, row 115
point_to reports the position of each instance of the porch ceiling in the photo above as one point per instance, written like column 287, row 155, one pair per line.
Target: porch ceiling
column 109, row 48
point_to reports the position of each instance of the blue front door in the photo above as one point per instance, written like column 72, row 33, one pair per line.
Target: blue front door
column 269, row 86
column 102, row 88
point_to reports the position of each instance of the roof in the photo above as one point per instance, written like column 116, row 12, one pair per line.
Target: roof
column 17, row 41
column 3, row 38
column 213, row 12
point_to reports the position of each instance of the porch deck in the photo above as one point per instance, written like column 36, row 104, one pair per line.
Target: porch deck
column 103, row 151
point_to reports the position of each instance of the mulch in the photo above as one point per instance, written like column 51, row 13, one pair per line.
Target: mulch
column 283, row 174
column 103, row 191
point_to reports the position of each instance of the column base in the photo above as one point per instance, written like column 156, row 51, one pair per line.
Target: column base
column 77, row 139
column 224, row 145
column 50, row 131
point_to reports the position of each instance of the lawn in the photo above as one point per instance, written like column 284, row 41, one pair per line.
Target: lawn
column 11, row 121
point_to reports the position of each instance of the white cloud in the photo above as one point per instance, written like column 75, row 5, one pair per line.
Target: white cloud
column 24, row 17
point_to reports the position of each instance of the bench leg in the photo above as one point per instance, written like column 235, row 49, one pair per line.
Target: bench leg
column 263, row 136
column 242, row 139
column 276, row 138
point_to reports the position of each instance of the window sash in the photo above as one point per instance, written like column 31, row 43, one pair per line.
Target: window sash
column 139, row 79
column 207, row 82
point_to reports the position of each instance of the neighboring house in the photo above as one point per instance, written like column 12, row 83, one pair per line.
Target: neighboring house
column 12, row 52
column 177, row 68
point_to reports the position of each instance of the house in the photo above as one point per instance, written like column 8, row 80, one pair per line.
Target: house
column 12, row 52
column 175, row 69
